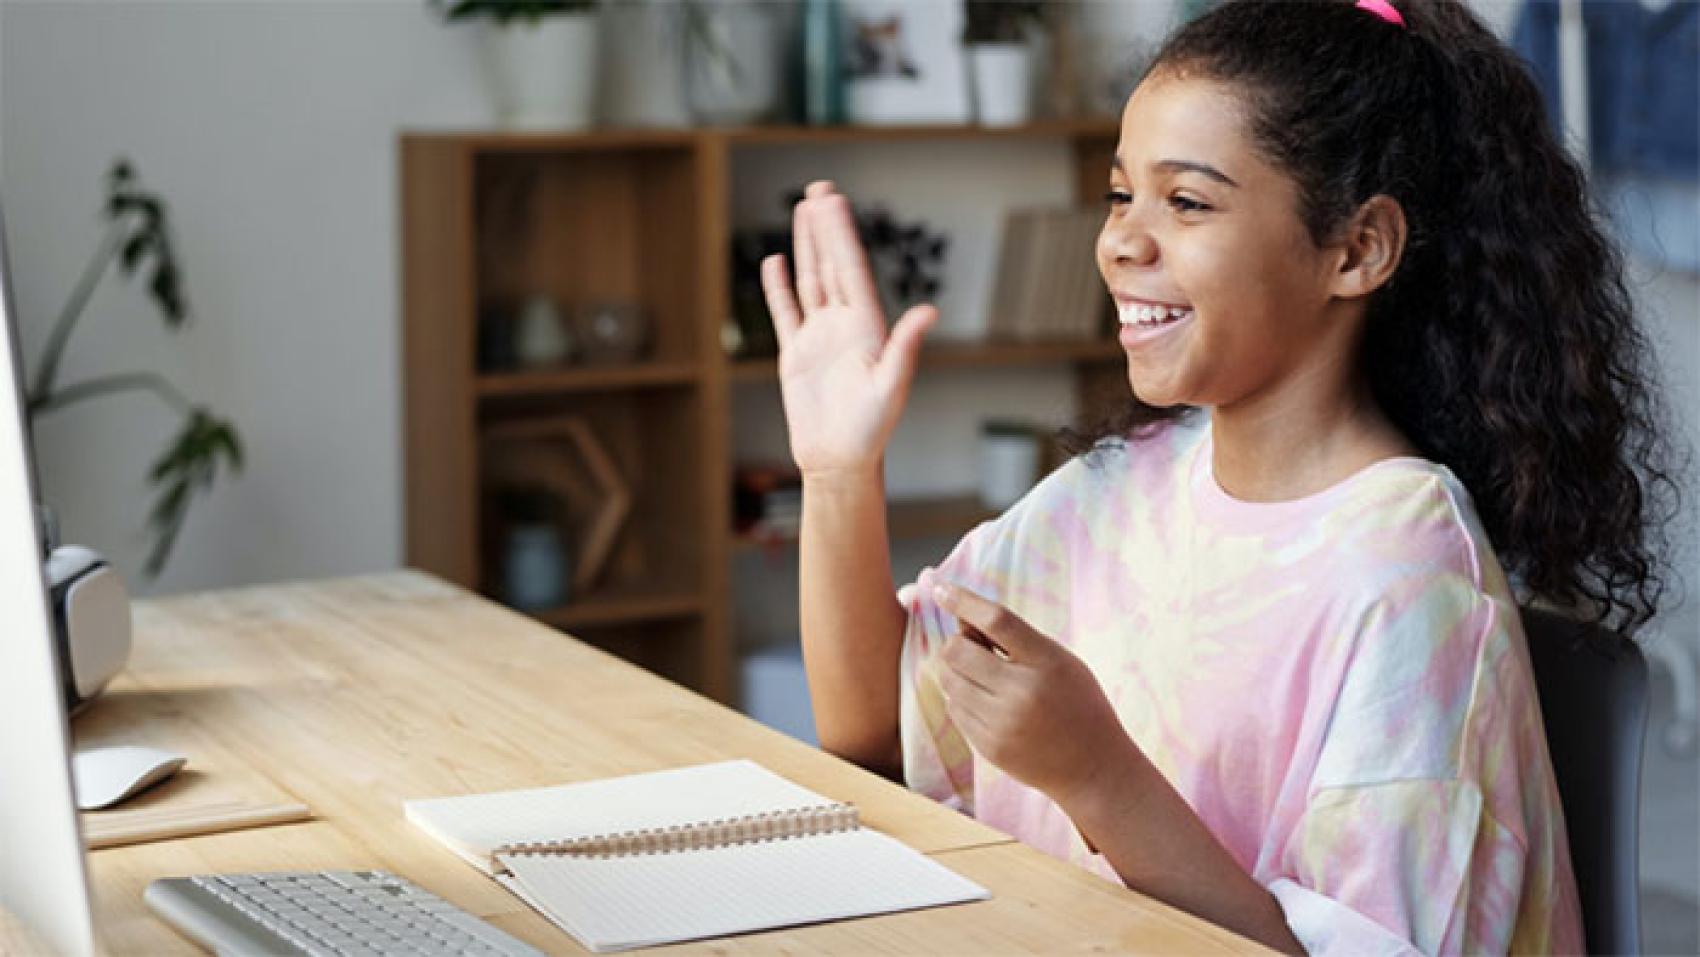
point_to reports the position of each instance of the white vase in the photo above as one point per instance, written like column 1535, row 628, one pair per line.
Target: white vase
column 642, row 79
column 732, row 62
column 540, row 334
column 1002, row 76
column 543, row 73
column 1009, row 465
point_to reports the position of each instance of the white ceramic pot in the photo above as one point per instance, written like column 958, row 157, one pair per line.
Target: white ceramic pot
column 1002, row 75
column 732, row 61
column 642, row 70
column 540, row 334
column 1009, row 465
column 543, row 73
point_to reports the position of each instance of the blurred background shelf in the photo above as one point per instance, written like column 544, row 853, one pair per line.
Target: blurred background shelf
column 919, row 517
column 644, row 375
column 968, row 355
column 644, row 218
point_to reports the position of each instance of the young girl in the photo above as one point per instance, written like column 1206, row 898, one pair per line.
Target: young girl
column 1254, row 653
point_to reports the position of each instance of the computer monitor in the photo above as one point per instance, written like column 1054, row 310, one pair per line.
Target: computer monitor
column 43, row 884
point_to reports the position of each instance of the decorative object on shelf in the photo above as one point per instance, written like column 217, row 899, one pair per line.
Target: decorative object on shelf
column 1062, row 93
column 139, row 232
column 732, row 60
column 903, row 64
column 752, row 335
column 767, row 502
column 611, row 332
column 643, row 81
column 540, row 58
column 534, row 559
column 996, row 35
column 541, row 336
column 907, row 260
column 822, row 64
column 1009, row 461
column 563, row 455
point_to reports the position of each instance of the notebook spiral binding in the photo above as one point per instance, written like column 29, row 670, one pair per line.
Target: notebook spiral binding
column 748, row 829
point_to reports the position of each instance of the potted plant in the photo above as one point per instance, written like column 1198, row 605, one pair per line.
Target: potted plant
column 139, row 234
column 540, row 58
column 1000, row 58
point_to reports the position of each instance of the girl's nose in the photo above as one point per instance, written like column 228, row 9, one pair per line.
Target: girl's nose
column 1127, row 243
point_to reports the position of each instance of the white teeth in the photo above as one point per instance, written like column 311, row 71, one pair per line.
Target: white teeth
column 1151, row 316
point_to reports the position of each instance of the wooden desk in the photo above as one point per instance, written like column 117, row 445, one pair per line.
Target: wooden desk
column 353, row 695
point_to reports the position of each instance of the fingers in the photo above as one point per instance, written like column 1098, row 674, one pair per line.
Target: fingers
column 824, row 227
column 845, row 275
column 781, row 302
column 903, row 350
column 964, row 656
column 996, row 622
column 810, row 293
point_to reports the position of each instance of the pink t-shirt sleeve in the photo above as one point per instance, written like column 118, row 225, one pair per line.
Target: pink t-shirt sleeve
column 1413, row 838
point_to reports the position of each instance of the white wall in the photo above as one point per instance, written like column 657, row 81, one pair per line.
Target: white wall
column 269, row 128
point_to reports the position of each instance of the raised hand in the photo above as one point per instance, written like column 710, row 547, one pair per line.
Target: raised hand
column 843, row 379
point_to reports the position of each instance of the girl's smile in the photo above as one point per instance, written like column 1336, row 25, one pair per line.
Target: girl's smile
column 1145, row 322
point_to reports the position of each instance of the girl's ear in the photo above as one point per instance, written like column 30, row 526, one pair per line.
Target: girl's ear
column 1370, row 248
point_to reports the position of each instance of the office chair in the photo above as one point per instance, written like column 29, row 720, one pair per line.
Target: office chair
column 1593, row 690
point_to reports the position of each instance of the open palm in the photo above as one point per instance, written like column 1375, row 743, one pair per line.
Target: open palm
column 843, row 378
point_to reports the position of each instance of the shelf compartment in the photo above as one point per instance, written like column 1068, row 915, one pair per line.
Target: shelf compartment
column 650, row 441
column 588, row 379
column 969, row 355
column 919, row 517
column 593, row 225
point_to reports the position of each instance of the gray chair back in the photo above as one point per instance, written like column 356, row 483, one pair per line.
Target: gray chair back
column 1593, row 690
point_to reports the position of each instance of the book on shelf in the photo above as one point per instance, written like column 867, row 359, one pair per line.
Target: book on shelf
column 1047, row 285
column 686, row 854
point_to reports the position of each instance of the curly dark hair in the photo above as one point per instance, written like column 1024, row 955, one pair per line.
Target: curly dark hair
column 1504, row 346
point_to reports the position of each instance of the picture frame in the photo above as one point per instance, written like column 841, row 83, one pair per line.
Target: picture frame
column 904, row 63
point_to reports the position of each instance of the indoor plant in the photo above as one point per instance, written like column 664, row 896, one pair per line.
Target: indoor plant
column 1000, row 58
column 139, row 233
column 540, row 58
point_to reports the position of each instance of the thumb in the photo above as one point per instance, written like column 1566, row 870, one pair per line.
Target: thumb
column 903, row 347
column 1004, row 628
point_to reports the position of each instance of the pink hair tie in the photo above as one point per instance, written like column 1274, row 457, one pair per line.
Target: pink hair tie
column 1382, row 9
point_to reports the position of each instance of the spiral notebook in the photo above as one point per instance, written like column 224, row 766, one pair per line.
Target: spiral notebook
column 685, row 854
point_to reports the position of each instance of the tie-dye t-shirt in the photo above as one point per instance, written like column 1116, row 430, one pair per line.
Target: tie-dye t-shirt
column 1338, row 685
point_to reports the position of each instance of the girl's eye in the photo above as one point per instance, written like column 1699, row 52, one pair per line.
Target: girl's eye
column 1186, row 204
column 1116, row 197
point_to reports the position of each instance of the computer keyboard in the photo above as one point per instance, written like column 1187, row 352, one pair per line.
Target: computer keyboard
column 322, row 913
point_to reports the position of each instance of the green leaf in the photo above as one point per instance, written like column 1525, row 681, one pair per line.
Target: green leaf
column 134, row 248
column 189, row 466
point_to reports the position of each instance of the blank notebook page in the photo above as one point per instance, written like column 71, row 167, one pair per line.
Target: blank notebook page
column 623, row 902
column 476, row 825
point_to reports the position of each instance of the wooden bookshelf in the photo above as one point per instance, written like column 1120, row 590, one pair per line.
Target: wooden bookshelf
column 969, row 355
column 638, row 216
column 637, row 376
